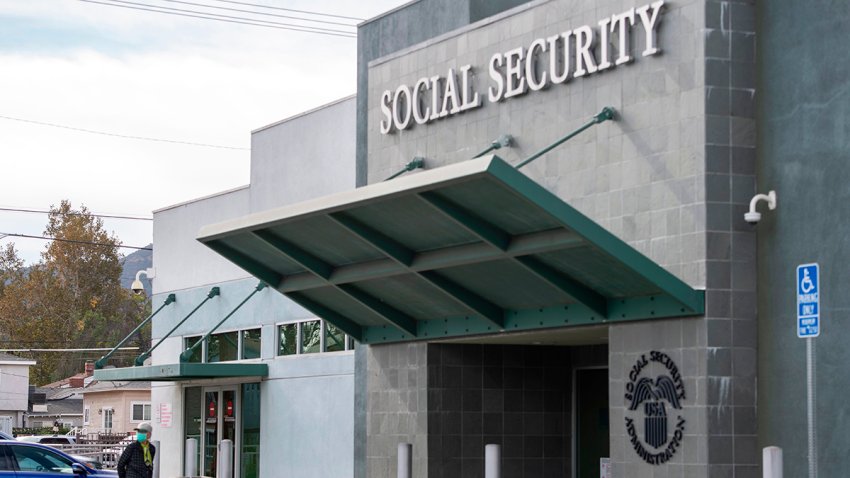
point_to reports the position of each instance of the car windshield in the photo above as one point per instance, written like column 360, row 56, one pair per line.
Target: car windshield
column 32, row 458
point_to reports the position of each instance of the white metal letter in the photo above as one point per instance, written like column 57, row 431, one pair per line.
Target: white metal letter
column 604, row 46
column 402, row 122
column 466, row 102
column 418, row 116
column 494, row 93
column 387, row 123
column 649, row 25
column 450, row 95
column 435, row 97
column 584, row 56
column 513, row 72
column 553, row 58
column 531, row 62
column 618, row 22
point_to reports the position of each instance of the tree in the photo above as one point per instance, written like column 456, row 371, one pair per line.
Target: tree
column 72, row 298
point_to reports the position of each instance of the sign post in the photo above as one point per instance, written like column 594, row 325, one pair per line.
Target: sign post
column 808, row 327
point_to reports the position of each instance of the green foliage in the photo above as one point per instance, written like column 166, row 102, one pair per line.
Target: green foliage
column 72, row 298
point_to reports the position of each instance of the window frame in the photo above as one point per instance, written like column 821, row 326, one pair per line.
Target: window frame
column 86, row 415
column 348, row 340
column 45, row 450
column 240, row 334
column 203, row 350
column 111, row 412
column 143, row 404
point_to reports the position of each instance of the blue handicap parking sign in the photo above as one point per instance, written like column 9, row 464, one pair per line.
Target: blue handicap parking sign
column 808, row 300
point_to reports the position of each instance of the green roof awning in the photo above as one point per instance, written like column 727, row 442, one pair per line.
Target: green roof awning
column 472, row 248
column 182, row 371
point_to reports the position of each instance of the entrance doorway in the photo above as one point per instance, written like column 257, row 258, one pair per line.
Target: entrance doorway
column 591, row 427
column 220, row 423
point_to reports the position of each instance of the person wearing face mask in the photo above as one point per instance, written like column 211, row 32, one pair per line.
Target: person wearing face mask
column 137, row 459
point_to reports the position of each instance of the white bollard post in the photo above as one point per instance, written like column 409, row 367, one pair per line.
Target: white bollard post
column 155, row 444
column 225, row 459
column 190, row 465
column 772, row 462
column 492, row 461
column 405, row 460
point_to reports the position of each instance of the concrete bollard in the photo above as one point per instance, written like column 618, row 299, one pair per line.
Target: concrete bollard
column 225, row 459
column 771, row 457
column 492, row 461
column 190, row 466
column 405, row 460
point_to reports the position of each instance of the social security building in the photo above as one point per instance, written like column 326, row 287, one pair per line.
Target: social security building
column 527, row 229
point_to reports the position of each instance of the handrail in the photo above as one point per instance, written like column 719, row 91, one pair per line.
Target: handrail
column 502, row 141
column 101, row 362
column 140, row 360
column 606, row 114
column 187, row 354
column 416, row 163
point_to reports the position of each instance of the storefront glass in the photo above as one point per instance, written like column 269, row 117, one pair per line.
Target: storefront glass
column 250, row 448
column 192, row 417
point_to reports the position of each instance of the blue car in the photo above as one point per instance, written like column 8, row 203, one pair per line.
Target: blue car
column 31, row 460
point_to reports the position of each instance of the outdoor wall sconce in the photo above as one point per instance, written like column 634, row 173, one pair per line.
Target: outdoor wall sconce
column 752, row 216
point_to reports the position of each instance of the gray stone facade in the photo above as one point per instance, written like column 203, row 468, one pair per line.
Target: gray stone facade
column 671, row 176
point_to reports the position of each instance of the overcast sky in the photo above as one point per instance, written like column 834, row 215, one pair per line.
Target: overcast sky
column 139, row 73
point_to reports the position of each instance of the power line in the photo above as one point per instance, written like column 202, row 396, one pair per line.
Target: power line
column 97, row 349
column 218, row 15
column 207, row 16
column 46, row 238
column 126, row 136
column 252, row 12
column 289, row 10
column 47, row 211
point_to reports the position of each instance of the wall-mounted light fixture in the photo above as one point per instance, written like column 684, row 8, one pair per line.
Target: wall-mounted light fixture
column 752, row 216
column 137, row 286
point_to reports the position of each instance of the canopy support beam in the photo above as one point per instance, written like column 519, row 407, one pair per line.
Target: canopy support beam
column 405, row 257
column 501, row 240
column 324, row 270
column 340, row 321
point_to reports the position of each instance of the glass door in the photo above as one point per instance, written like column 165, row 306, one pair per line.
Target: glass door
column 220, row 423
column 591, row 432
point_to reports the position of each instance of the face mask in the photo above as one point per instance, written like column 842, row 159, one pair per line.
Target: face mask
column 140, row 436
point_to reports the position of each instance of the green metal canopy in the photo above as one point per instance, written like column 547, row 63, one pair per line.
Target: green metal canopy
column 472, row 248
column 182, row 371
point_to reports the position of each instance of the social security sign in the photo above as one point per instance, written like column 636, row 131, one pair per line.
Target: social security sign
column 808, row 300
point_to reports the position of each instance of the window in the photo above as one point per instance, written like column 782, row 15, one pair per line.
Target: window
column 251, row 344
column 223, row 347
column 311, row 336
column 107, row 418
column 31, row 458
column 86, row 413
column 334, row 338
column 198, row 353
column 140, row 412
column 288, row 339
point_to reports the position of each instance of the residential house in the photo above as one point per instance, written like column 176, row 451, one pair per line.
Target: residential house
column 14, row 390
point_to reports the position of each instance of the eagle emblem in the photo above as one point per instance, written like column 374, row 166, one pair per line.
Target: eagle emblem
column 652, row 396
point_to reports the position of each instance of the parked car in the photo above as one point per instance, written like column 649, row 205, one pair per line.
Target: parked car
column 6, row 436
column 21, row 459
column 50, row 439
